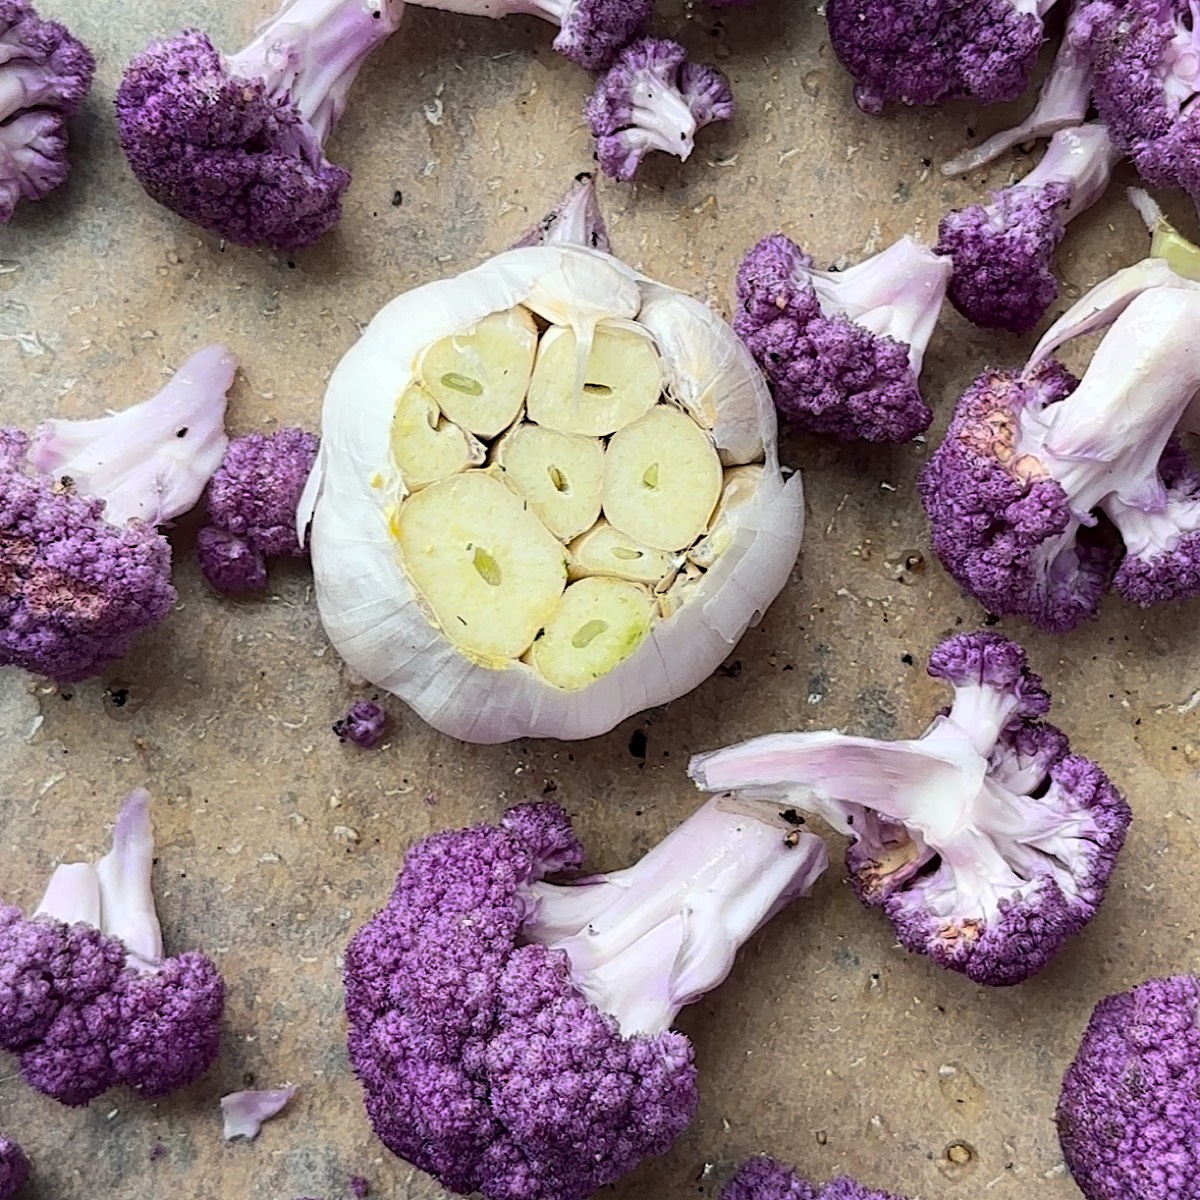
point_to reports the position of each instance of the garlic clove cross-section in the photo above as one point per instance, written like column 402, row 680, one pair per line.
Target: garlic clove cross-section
column 662, row 479
column 479, row 377
column 604, row 550
column 561, row 475
column 536, row 512
column 427, row 447
column 621, row 380
column 489, row 570
column 597, row 624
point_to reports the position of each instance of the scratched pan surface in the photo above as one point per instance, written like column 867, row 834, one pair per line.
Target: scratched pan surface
column 829, row 1046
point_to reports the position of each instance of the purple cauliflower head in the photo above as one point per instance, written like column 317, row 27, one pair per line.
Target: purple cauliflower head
column 985, row 842
column 842, row 350
column 252, row 502
column 513, row 1036
column 14, row 1168
column 83, row 571
column 1003, row 252
column 75, row 591
column 652, row 98
column 88, row 999
column 1032, row 460
column 1145, row 80
column 45, row 73
column 930, row 51
column 1129, row 1112
column 763, row 1178
column 235, row 143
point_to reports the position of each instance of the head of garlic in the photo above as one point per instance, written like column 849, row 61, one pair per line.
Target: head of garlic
column 548, row 497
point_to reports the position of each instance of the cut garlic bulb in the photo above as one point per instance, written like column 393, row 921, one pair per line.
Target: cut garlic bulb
column 447, row 584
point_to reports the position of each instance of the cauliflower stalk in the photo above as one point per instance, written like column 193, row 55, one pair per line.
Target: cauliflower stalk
column 985, row 841
column 547, row 497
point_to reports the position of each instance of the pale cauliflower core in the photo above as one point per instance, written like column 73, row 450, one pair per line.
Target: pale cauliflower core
column 557, row 501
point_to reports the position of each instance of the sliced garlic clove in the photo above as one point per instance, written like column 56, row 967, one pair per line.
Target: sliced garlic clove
column 604, row 550
column 425, row 447
column 621, row 380
column 489, row 570
column 479, row 377
column 662, row 479
column 561, row 475
column 597, row 625
column 740, row 487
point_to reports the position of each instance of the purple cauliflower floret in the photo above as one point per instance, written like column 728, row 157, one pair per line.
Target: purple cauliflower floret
column 930, row 51
column 88, row 999
column 83, row 571
column 1031, row 460
column 1129, row 1113
column 842, row 350
column 364, row 725
column 14, row 1168
column 1063, row 99
column 1003, row 252
column 652, row 98
column 985, row 841
column 575, row 220
column 252, row 502
column 1146, row 77
column 235, row 142
column 45, row 73
column 763, row 1178
column 591, row 32
column 513, row 1036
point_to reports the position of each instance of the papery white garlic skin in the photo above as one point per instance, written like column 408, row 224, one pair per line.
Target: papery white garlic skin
column 373, row 615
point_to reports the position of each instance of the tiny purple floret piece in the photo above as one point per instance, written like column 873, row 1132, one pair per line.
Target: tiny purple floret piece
column 1031, row 461
column 513, row 1036
column 14, row 1168
column 842, row 350
column 45, row 73
column 364, row 725
column 985, row 841
column 359, row 1187
column 1129, row 1112
column 931, row 51
column 764, row 1178
column 1003, row 252
column 252, row 503
column 235, row 142
column 88, row 999
column 652, row 98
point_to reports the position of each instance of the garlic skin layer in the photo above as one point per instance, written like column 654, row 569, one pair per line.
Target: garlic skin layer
column 669, row 634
